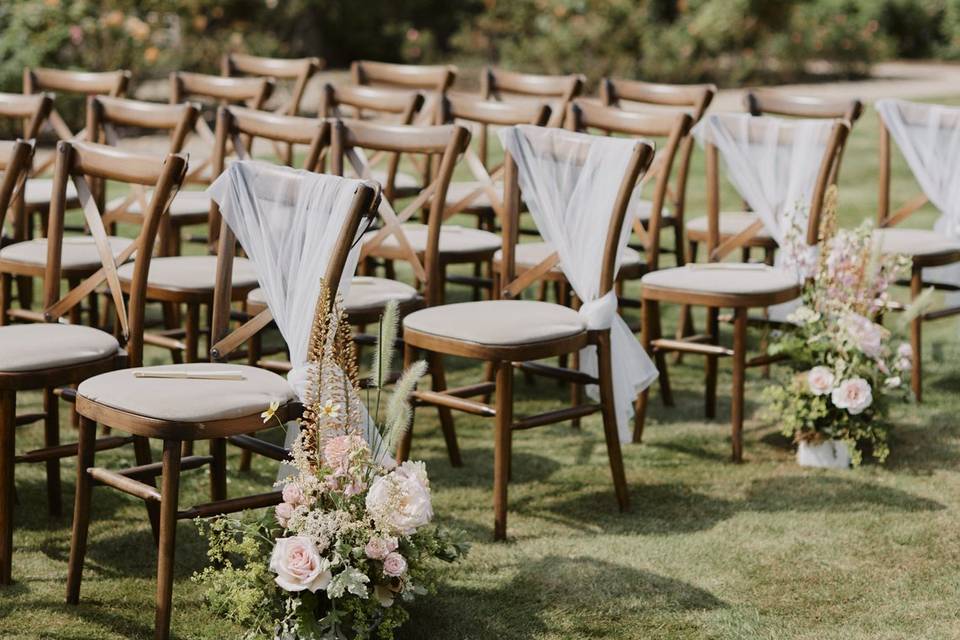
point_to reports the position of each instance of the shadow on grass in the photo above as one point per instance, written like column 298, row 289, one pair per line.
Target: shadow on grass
column 96, row 614
column 932, row 445
column 477, row 469
column 529, row 604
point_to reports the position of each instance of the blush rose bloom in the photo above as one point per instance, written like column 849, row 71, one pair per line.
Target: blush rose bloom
column 338, row 450
column 283, row 512
column 868, row 335
column 394, row 565
column 293, row 495
column 854, row 395
column 820, row 380
column 299, row 566
column 399, row 502
column 379, row 547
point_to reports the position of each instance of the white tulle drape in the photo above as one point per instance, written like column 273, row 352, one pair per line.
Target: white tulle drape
column 928, row 135
column 569, row 182
column 288, row 222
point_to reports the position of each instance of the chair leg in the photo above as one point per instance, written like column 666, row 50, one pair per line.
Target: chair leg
column 192, row 352
column 576, row 390
column 685, row 325
column 916, row 337
column 51, row 438
column 143, row 455
column 218, row 469
column 502, row 448
column 610, row 432
column 6, row 290
column 403, row 447
column 254, row 354
column 739, row 373
column 439, row 380
column 75, row 313
column 710, row 397
column 81, row 508
column 649, row 308
column 666, row 392
column 168, row 536
column 171, row 320
column 8, row 405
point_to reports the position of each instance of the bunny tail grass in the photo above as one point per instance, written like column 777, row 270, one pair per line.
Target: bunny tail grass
column 383, row 353
column 917, row 306
column 398, row 408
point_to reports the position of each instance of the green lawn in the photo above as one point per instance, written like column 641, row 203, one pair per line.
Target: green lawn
column 709, row 549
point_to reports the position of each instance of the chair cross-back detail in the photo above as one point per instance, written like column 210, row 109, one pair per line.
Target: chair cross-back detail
column 928, row 136
column 29, row 113
column 556, row 171
column 218, row 400
column 433, row 80
column 776, row 164
column 50, row 355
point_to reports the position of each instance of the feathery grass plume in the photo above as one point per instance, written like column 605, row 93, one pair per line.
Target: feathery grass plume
column 383, row 353
column 917, row 307
column 398, row 407
column 828, row 221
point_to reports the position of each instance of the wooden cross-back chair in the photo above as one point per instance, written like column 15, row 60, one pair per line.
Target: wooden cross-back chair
column 729, row 285
column 252, row 92
column 80, row 254
column 360, row 102
column 503, row 85
column 433, row 80
column 138, row 402
column 510, row 330
column 50, row 355
column 297, row 71
column 926, row 248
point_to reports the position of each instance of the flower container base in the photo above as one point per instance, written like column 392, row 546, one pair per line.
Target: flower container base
column 829, row 454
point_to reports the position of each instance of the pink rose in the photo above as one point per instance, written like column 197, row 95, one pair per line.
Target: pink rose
column 299, row 566
column 394, row 565
column 905, row 350
column 820, row 380
column 854, row 395
column 283, row 512
column 379, row 547
column 338, row 451
column 293, row 494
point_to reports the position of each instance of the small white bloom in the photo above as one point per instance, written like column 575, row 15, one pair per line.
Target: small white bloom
column 854, row 395
column 820, row 380
column 893, row 382
column 905, row 351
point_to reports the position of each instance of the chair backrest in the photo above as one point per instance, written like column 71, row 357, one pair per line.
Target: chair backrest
column 351, row 137
column 559, row 90
column 76, row 161
column 759, row 131
column 570, row 149
column 239, row 126
column 363, row 205
column 673, row 127
column 432, row 80
column 297, row 70
column 478, row 114
column 928, row 136
column 15, row 160
column 30, row 110
column 250, row 92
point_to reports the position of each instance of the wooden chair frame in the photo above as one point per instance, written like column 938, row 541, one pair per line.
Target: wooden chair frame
column 708, row 344
column 886, row 219
column 75, row 160
column 433, row 80
column 504, row 357
column 32, row 112
column 165, row 502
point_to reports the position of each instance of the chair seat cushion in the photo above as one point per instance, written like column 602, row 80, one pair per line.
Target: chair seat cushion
column 642, row 209
column 910, row 242
column 185, row 203
column 366, row 294
column 457, row 191
column 38, row 191
column 453, row 239
column 32, row 347
column 401, row 181
column 497, row 322
column 731, row 223
column 736, row 279
column 530, row 254
column 189, row 400
column 191, row 273
column 79, row 252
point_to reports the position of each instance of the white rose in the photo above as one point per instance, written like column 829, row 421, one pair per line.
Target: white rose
column 399, row 502
column 893, row 382
column 298, row 565
column 820, row 380
column 854, row 395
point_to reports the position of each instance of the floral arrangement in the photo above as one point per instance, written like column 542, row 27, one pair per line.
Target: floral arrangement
column 353, row 536
column 846, row 366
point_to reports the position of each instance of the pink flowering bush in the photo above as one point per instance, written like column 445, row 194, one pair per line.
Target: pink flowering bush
column 353, row 536
column 846, row 365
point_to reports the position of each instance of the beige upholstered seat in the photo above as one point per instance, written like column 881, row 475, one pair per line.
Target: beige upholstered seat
column 38, row 191
column 401, row 181
column 457, row 191
column 185, row 203
column 530, row 254
column 642, row 209
column 453, row 239
column 189, row 400
column 191, row 273
column 733, row 279
column 79, row 252
column 29, row 347
column 497, row 322
column 366, row 294
column 731, row 223
column 912, row 242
